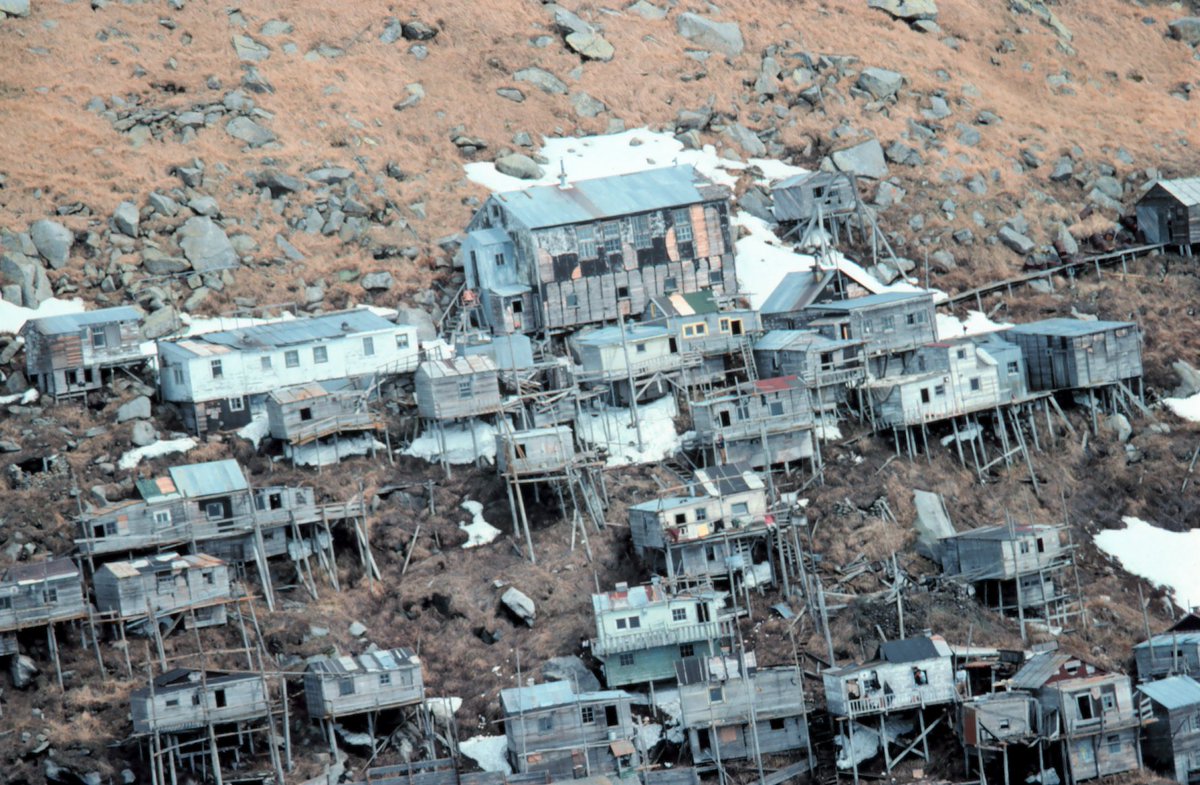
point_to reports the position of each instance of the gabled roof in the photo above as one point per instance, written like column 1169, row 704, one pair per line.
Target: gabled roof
column 871, row 301
column 305, row 391
column 73, row 322
column 188, row 679
column 799, row 340
column 457, row 366
column 913, row 649
column 1185, row 189
column 196, row 479
column 1051, row 666
column 1176, row 692
column 607, row 336
column 689, row 304
column 797, row 291
column 373, row 662
column 1068, row 328
column 39, row 571
column 161, row 563
column 584, row 201
column 728, row 478
column 552, row 693
column 1171, row 639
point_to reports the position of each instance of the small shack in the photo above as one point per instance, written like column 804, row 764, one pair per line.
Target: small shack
column 377, row 681
column 885, row 323
column 1169, row 212
column 301, row 413
column 184, row 699
column 759, row 423
column 811, row 195
column 457, row 388
column 66, row 355
column 552, row 729
column 1069, row 354
column 1168, row 654
column 905, row 674
column 630, row 351
column 819, row 361
column 734, row 710
column 784, row 307
column 1172, row 742
column 703, row 323
column 535, row 451
column 34, row 594
column 165, row 584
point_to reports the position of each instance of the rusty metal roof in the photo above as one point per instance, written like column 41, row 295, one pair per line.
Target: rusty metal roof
column 299, row 392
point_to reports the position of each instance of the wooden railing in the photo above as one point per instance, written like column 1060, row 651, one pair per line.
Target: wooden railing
column 897, row 701
column 651, row 639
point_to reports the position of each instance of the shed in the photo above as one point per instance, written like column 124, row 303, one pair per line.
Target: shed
column 1168, row 653
column 1066, row 354
column 614, row 353
column 65, row 355
column 1172, row 743
column 165, row 583
column 803, row 197
column 300, row 413
column 535, row 451
column 784, row 306
column 457, row 388
column 379, row 680
column 185, row 699
column 1169, row 212
column 905, row 674
column 33, row 594
column 995, row 720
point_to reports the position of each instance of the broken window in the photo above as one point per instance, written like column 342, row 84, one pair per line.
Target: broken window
column 215, row 365
column 585, row 240
column 214, row 511
column 208, row 578
column 368, row 346
column 920, row 677
column 641, row 231
column 1084, row 705
column 292, row 358
column 345, row 686
column 681, row 517
column 683, row 225
column 305, row 414
column 612, row 238
column 1108, row 701
column 975, row 384
column 320, row 354
column 622, row 292
column 778, row 723
column 924, row 395
column 1014, row 367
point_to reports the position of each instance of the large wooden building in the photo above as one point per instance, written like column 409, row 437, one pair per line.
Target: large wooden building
column 67, row 355
column 1068, row 354
column 372, row 682
column 552, row 258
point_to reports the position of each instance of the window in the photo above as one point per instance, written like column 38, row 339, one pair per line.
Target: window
column 679, row 614
column 546, row 723
column 670, row 285
column 345, row 687
column 641, row 348
column 634, row 622
column 775, row 408
column 177, row 372
column 401, row 340
column 5, row 603
column 587, row 715
column 368, row 346
column 214, row 511
column 585, row 240
column 939, row 389
column 1014, row 367
column 778, row 723
column 237, row 405
column 724, row 325
column 292, row 358
column 961, row 354
column 385, row 679
column 621, row 624
column 680, row 517
column 1108, row 701
column 320, row 354
column 622, row 292
column 740, row 508
column 626, row 659
column 1024, row 546
column 499, row 258
column 264, row 362
column 216, row 369
column 50, row 596
column 975, row 384
column 714, row 277
column 920, row 677
column 474, row 261
column 99, row 339
column 911, row 318
column 306, row 414
column 716, row 694
column 208, row 578
column 612, row 238
column 924, row 395
column 710, row 553
column 683, row 225
column 701, row 514
column 1114, row 745
column 693, row 330
column 641, row 231
column 687, row 650
column 172, row 702
column 162, row 518
column 572, row 301
column 464, row 389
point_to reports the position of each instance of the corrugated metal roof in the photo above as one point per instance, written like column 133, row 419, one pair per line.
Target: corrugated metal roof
column 1066, row 327
column 1170, row 639
column 633, row 597
column 777, row 384
column 1039, row 669
column 551, row 693
column 913, row 649
column 608, row 197
column 1185, row 189
column 290, row 332
column 373, row 662
column 607, row 336
column 299, row 392
column 1173, row 693
column 162, row 562
column 458, row 366
column 1002, row 532
column 36, row 572
column 796, row 291
column 490, row 236
column 207, row 479
column 72, row 322
column 798, row 340
column 667, row 503
column 871, row 301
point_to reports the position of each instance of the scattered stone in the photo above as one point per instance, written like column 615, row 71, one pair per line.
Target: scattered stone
column 53, row 241
column 275, row 27
column 419, row 31
column 648, row 11
column 378, row 281
column 943, row 260
column 246, row 130
column 416, row 92
column 289, row 250
column 541, row 79
column 278, row 183
column 1064, row 241
column 23, row 280
column 143, row 434
column 519, row 604
column 158, row 263
column 14, row 8
column 864, row 159
column 8, row 445
column 511, row 93
column 1016, row 241
column 1189, row 379
column 967, row 136
column 1064, row 167
column 159, row 323
column 900, row 153
column 590, row 46
column 1119, row 424
column 746, row 139
column 518, row 165
column 250, row 51
column 723, row 37
column 205, row 244
column 880, row 82
column 358, row 629
column 907, row 10
column 204, row 205
column 23, row 669
column 1186, row 29
column 137, row 409
column 126, row 218
column 330, row 175
column 586, row 106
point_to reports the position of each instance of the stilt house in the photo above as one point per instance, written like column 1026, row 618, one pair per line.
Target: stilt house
column 535, row 451
column 1172, row 741
column 785, row 305
column 885, row 323
column 759, row 423
column 905, row 674
column 827, row 366
column 641, row 632
column 67, row 355
column 643, row 355
column 165, row 584
column 804, row 197
column 1068, row 354
column 384, row 679
column 34, row 594
column 716, row 329
column 553, row 729
column 1168, row 654
column 185, row 699
column 734, row 710
column 457, row 388
column 553, row 258
column 301, row 413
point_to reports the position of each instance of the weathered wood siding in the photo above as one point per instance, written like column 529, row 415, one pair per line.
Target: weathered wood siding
column 332, row 695
column 452, row 397
column 563, row 743
column 35, row 603
column 178, row 708
column 1068, row 362
column 176, row 588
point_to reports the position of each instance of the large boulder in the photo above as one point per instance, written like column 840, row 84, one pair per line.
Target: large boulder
column 53, row 241
column 1189, row 379
column 378, row 281
column 517, row 165
column 159, row 323
column 14, row 8
column 126, row 219
column 864, row 159
column 24, row 277
column 137, row 409
column 908, row 10
column 590, row 46
column 205, row 244
column 519, row 604
column 23, row 669
column 542, row 79
column 1186, row 29
column 723, row 37
column 746, row 139
column 880, row 82
column 250, row 132
column 143, row 434
column 419, row 318
column 1015, row 241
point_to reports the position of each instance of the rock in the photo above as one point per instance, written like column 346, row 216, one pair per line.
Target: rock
column 137, row 409
column 53, row 241
column 159, row 323
column 586, row 106
column 746, row 139
column 1119, row 424
column 864, row 159
column 1189, row 379
column 907, row 10
column 248, row 50
column 419, row 31
column 278, row 182
column 250, row 132
column 143, row 434
column 126, row 218
column 358, row 629
column 542, row 79
column 1064, row 167
column 8, row 445
column 569, row 22
column 330, row 175
column 426, row 330
column 157, row 263
column 723, row 37
column 943, row 260
column 880, row 82
column 1064, row 241
column 416, row 92
column 205, row 244
column 22, row 669
column 377, row 281
column 1186, row 29
column 900, row 153
column 290, row 251
column 648, row 11
column 511, row 93
column 1016, row 241
column 518, row 165
column 889, row 194
column 570, row 669
column 519, row 604
column 163, row 205
column 24, row 277
column 590, row 46
column 1042, row 285
column 275, row 27
column 14, row 8
column 204, row 205
column 967, row 136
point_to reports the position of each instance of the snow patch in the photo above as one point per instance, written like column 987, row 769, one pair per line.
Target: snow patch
column 325, row 454
column 866, row 742
column 461, row 446
column 13, row 317
column 667, row 701
column 490, row 752
column 443, row 709
column 156, row 450
column 27, row 397
column 1164, row 558
column 613, row 430
column 254, row 431
column 976, row 323
column 1185, row 408
column 479, row 532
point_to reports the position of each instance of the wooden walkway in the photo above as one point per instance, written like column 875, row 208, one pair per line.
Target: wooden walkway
column 1121, row 256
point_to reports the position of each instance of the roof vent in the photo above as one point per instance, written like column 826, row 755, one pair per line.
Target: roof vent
column 562, row 175
column 622, row 586
column 345, row 327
